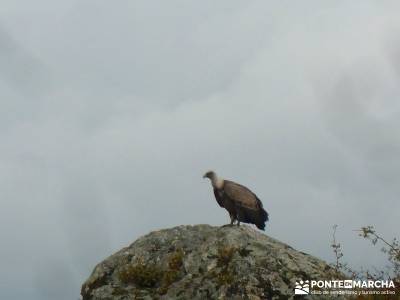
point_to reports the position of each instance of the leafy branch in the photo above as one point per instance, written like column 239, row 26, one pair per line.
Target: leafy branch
column 392, row 249
column 337, row 250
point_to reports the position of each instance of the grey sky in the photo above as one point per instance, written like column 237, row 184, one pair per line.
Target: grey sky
column 112, row 111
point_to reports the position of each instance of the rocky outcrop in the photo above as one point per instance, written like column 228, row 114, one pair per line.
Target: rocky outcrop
column 204, row 262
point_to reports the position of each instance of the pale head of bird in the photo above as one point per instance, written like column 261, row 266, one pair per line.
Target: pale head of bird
column 210, row 175
column 216, row 181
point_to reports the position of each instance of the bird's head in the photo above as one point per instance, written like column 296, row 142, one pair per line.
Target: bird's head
column 210, row 175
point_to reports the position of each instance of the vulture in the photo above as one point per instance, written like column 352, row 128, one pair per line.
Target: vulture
column 241, row 203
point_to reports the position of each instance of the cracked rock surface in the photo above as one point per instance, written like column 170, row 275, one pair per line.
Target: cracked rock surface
column 204, row 262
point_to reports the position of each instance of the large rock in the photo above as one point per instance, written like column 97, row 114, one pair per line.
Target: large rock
column 204, row 262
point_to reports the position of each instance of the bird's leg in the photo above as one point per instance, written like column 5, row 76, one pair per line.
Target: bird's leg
column 238, row 223
column 232, row 221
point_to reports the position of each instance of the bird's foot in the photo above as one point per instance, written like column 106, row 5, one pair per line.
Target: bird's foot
column 227, row 225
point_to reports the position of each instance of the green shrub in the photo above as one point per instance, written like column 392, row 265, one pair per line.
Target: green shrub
column 142, row 275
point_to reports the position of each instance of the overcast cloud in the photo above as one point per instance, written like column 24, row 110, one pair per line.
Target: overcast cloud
column 112, row 111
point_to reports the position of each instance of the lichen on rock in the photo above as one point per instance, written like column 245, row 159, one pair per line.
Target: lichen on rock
column 204, row 262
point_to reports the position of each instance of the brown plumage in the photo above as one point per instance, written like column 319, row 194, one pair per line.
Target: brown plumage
column 241, row 203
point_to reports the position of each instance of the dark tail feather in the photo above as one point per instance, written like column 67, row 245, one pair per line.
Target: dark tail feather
column 263, row 218
column 257, row 217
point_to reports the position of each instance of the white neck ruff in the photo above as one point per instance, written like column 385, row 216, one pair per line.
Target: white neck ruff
column 217, row 183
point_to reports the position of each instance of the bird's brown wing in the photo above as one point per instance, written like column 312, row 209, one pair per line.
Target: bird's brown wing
column 241, row 195
column 248, row 207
